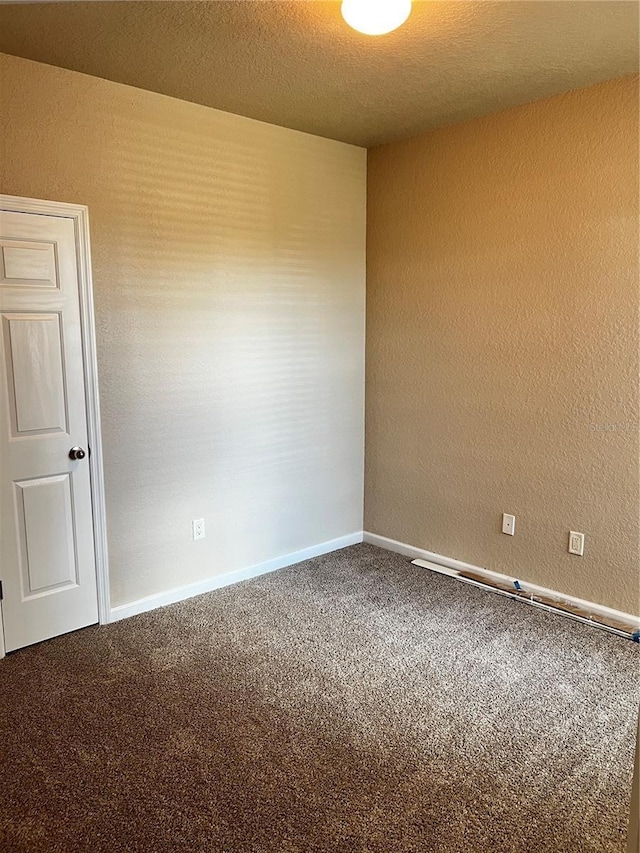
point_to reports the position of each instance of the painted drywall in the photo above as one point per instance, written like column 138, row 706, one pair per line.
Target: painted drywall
column 228, row 264
column 502, row 342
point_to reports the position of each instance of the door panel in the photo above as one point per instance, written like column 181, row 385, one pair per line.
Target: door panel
column 28, row 264
column 46, row 529
column 46, row 520
column 36, row 383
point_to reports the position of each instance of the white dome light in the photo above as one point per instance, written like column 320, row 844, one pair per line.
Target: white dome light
column 375, row 17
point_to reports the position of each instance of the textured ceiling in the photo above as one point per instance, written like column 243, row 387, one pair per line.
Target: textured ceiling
column 299, row 65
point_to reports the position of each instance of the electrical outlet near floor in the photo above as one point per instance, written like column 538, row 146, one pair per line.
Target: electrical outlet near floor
column 576, row 543
column 198, row 528
column 508, row 524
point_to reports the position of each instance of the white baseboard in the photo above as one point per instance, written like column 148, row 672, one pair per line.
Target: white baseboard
column 171, row 596
column 416, row 553
column 439, row 561
column 451, row 567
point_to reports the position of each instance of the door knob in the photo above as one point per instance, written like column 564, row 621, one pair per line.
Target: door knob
column 76, row 453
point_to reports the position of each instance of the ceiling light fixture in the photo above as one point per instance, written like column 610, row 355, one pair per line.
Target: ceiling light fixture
column 375, row 17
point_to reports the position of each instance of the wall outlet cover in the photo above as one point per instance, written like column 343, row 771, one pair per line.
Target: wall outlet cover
column 576, row 543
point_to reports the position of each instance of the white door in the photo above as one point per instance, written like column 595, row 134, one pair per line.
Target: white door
column 47, row 560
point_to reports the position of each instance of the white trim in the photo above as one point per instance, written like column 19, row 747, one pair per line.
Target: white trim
column 449, row 566
column 415, row 553
column 180, row 593
column 79, row 213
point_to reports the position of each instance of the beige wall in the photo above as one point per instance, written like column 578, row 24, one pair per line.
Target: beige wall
column 502, row 323
column 228, row 260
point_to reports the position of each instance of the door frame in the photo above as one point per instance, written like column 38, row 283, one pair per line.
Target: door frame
column 79, row 214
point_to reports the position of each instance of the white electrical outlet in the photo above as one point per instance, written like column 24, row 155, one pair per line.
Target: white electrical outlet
column 576, row 543
column 198, row 528
column 508, row 524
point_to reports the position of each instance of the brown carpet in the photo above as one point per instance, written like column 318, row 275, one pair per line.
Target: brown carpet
column 352, row 703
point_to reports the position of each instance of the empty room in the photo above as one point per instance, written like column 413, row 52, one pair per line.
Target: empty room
column 319, row 426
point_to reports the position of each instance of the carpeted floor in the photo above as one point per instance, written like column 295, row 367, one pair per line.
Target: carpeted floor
column 351, row 703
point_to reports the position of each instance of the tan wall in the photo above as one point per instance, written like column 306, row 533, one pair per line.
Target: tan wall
column 502, row 323
column 228, row 260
